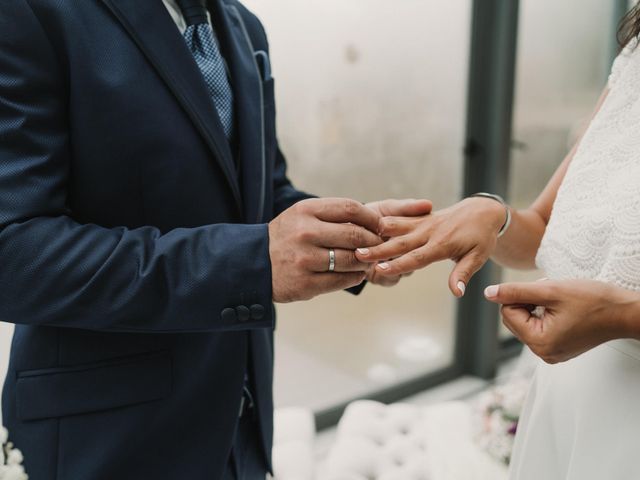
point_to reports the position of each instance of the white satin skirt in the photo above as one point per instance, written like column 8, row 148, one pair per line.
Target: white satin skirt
column 581, row 420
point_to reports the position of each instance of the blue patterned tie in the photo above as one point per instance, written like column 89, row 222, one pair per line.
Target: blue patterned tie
column 204, row 46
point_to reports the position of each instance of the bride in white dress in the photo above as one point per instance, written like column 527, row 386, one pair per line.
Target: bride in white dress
column 582, row 417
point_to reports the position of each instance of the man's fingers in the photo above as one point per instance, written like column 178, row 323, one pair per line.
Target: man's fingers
column 343, row 210
column 405, row 208
column 535, row 293
column 343, row 235
column 464, row 270
column 393, row 248
column 331, row 282
column 412, row 261
column 345, row 261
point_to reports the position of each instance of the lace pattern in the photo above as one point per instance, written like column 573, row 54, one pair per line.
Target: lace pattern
column 594, row 230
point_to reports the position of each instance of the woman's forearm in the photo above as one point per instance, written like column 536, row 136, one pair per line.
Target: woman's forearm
column 517, row 248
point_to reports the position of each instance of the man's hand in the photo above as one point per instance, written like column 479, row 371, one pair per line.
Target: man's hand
column 561, row 320
column 300, row 239
column 396, row 208
column 465, row 233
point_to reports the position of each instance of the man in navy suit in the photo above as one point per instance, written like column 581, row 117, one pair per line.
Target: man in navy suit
column 146, row 226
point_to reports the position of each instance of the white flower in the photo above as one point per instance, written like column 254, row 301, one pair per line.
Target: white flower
column 13, row 472
column 4, row 436
column 13, row 469
column 497, row 410
column 14, row 457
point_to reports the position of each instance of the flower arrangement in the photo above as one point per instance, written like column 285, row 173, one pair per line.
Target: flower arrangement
column 10, row 459
column 498, row 411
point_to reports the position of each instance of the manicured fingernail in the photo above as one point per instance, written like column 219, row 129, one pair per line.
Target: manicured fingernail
column 384, row 266
column 491, row 291
column 363, row 251
column 462, row 287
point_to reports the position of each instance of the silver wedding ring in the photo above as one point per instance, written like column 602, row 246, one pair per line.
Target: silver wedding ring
column 332, row 260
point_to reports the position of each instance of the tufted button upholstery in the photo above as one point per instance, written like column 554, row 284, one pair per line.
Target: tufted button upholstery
column 379, row 442
column 406, row 442
column 383, row 443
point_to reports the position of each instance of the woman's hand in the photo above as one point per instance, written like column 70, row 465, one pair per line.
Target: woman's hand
column 571, row 317
column 396, row 208
column 465, row 233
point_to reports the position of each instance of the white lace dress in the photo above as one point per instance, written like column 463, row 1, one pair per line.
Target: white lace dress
column 582, row 418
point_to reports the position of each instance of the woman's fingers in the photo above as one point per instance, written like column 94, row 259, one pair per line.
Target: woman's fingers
column 393, row 248
column 515, row 319
column 406, row 234
column 466, row 268
column 412, row 261
column 536, row 293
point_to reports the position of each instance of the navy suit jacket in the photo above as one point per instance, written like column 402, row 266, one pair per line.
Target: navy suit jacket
column 134, row 256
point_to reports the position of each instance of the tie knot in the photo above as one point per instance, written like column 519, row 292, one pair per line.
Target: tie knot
column 194, row 11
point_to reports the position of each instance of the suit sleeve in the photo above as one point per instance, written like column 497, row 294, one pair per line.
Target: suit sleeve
column 58, row 272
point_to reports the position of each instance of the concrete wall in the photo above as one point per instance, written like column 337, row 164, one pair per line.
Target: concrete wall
column 371, row 93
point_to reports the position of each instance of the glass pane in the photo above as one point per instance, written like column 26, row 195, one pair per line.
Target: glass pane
column 563, row 64
column 371, row 99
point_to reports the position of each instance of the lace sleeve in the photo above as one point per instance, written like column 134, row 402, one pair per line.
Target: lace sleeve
column 621, row 62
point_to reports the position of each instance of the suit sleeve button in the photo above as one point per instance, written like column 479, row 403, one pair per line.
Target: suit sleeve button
column 228, row 315
column 244, row 314
column 257, row 312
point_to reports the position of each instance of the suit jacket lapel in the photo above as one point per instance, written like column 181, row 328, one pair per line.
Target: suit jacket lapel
column 249, row 108
column 155, row 33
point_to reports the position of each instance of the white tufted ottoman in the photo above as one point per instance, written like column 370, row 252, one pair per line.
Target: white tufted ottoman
column 406, row 442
